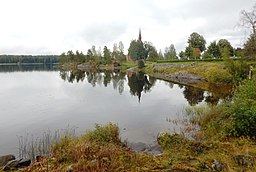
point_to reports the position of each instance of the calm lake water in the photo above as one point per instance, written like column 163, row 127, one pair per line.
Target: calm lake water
column 36, row 99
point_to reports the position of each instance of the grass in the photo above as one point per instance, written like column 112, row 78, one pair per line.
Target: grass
column 30, row 147
column 220, row 72
column 128, row 64
column 102, row 150
column 210, row 148
column 214, row 72
column 98, row 150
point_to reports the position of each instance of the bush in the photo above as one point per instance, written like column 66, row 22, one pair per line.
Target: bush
column 237, row 68
column 219, row 75
column 173, row 141
column 141, row 64
column 104, row 134
column 243, row 110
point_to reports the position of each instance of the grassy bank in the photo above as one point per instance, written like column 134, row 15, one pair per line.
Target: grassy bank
column 214, row 72
column 227, row 71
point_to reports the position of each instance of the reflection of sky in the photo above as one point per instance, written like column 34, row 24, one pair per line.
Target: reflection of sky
column 34, row 102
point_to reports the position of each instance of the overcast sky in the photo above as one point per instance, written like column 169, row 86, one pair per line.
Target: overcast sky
column 56, row 26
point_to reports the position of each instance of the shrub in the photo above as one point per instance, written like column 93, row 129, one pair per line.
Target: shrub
column 237, row 68
column 243, row 110
column 219, row 75
column 141, row 64
column 104, row 134
column 168, row 141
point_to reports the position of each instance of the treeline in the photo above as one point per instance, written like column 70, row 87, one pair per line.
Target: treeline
column 93, row 55
column 45, row 59
column 139, row 50
column 196, row 48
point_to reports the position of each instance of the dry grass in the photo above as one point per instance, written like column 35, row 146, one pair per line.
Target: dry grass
column 91, row 152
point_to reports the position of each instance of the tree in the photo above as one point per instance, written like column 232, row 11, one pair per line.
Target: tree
column 224, row 45
column 153, row 55
column 213, row 50
column 248, row 19
column 182, row 55
column 239, row 52
column 115, row 51
column 196, row 53
column 106, row 55
column 160, row 55
column 94, row 52
column 250, row 47
column 197, row 41
column 121, row 47
column 70, row 55
column 89, row 55
column 170, row 53
column 79, row 57
column 137, row 50
column 63, row 58
column 189, row 52
column 148, row 46
column 150, row 51
column 121, row 56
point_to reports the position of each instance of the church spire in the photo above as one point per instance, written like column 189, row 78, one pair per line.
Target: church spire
column 140, row 36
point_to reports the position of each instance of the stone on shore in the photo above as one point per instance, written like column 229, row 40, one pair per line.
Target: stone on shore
column 11, row 165
column 5, row 159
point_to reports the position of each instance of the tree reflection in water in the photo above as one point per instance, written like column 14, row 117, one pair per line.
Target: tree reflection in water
column 193, row 95
column 95, row 77
column 139, row 82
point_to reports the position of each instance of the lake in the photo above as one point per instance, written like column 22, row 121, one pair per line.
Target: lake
column 39, row 98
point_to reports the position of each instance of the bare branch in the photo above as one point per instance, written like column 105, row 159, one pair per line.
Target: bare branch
column 248, row 19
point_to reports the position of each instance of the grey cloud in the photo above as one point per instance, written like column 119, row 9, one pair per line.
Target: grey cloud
column 103, row 33
column 217, row 12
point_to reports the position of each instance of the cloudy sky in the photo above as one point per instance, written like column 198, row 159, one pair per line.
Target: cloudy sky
column 56, row 26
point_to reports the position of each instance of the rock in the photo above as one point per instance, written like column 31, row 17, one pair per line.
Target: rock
column 69, row 168
column 24, row 163
column 85, row 66
column 217, row 166
column 184, row 75
column 5, row 159
column 155, row 150
column 139, row 147
column 244, row 160
column 11, row 165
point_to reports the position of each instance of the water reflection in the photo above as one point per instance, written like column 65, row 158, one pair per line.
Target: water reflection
column 139, row 82
column 193, row 95
column 33, row 102
column 28, row 68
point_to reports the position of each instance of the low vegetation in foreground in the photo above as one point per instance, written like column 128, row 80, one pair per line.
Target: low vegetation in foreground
column 98, row 150
column 219, row 138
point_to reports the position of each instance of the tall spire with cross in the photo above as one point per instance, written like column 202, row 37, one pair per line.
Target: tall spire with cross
column 140, row 36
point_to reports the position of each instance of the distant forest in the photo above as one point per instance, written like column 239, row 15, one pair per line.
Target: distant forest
column 45, row 59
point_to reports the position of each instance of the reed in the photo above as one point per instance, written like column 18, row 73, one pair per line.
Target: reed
column 31, row 146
